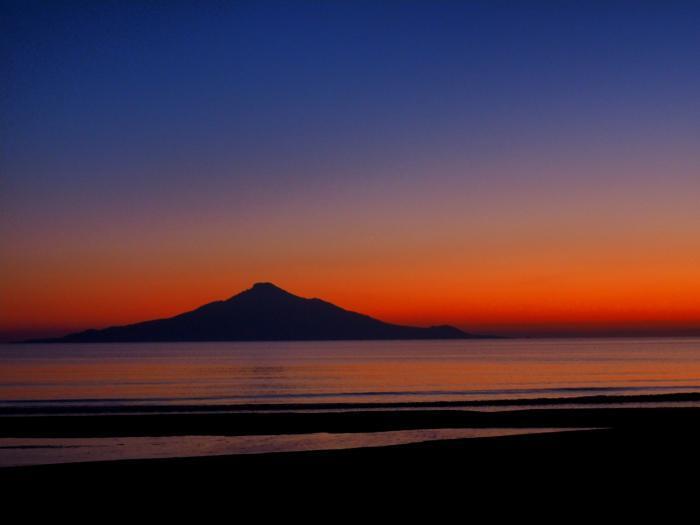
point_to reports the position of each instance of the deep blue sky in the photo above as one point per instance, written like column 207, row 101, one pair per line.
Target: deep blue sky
column 130, row 81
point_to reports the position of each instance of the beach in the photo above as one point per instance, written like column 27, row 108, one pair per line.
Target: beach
column 615, row 445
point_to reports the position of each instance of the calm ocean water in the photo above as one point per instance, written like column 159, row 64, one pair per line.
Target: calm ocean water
column 320, row 372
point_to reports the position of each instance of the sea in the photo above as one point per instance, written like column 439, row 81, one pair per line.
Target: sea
column 235, row 373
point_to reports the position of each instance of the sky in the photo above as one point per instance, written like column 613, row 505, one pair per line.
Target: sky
column 506, row 167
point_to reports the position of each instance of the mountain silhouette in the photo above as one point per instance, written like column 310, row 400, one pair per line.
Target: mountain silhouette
column 264, row 312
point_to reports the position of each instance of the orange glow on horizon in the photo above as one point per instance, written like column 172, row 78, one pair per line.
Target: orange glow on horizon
column 495, row 303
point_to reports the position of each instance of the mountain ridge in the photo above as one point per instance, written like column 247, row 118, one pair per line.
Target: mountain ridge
column 264, row 312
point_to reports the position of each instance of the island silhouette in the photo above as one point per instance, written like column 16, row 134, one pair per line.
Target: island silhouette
column 264, row 312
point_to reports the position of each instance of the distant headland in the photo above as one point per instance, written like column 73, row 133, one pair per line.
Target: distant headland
column 264, row 312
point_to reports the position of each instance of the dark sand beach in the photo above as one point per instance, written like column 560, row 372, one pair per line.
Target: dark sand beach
column 638, row 448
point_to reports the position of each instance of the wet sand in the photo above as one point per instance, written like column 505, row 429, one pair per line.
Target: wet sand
column 17, row 452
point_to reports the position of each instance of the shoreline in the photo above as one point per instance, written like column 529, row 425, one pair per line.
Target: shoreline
column 56, row 407
column 631, row 412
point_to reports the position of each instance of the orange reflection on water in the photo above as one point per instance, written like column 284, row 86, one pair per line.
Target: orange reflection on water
column 342, row 371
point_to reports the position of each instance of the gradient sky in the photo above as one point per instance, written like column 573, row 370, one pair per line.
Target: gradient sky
column 508, row 167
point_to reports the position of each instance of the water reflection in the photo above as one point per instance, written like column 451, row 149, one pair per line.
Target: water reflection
column 369, row 371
